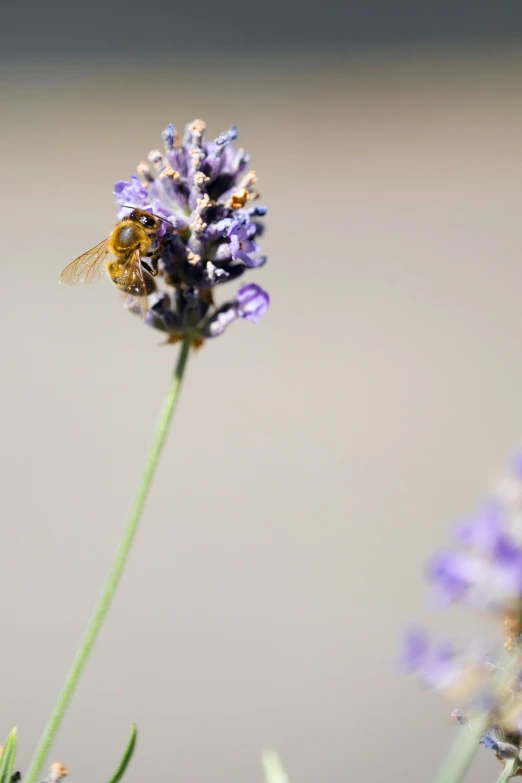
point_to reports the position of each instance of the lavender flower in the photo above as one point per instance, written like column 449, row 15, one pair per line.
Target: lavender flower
column 464, row 671
column 483, row 569
column 203, row 192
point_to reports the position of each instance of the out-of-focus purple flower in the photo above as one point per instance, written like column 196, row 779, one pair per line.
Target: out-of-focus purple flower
column 414, row 649
column 441, row 668
column 482, row 531
column 437, row 663
column 209, row 233
column 449, row 575
column 483, row 569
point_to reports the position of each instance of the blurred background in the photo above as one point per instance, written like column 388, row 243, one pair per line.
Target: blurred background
column 317, row 458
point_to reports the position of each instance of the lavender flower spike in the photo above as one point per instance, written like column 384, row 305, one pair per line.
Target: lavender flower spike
column 210, row 228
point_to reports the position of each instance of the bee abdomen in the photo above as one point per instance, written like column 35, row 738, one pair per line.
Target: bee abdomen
column 122, row 278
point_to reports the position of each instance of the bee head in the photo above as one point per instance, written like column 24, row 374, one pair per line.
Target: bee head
column 149, row 221
column 145, row 219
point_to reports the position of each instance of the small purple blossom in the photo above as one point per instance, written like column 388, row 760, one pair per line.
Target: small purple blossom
column 209, row 233
column 252, row 302
column 242, row 245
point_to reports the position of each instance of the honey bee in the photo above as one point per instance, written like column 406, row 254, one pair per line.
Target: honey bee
column 122, row 256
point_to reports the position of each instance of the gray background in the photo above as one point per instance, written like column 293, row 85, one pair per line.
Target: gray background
column 316, row 458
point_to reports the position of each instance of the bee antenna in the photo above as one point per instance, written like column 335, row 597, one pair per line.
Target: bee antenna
column 164, row 220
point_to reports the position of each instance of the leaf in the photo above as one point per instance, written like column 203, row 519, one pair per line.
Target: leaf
column 273, row 767
column 7, row 758
column 127, row 755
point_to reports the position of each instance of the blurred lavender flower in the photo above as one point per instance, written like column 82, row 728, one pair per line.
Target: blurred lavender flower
column 204, row 191
column 461, row 672
column 437, row 663
column 483, row 569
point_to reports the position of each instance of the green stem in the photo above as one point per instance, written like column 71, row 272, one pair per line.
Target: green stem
column 510, row 769
column 461, row 754
column 115, row 573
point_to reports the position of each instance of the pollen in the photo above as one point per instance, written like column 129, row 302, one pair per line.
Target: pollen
column 193, row 258
column 204, row 202
column 200, row 180
column 198, row 227
column 512, row 621
column 198, row 127
column 170, row 173
column 58, row 771
column 196, row 158
column 238, row 199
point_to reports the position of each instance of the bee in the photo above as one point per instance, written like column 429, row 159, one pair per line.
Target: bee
column 122, row 255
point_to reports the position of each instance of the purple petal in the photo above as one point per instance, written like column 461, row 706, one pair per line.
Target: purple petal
column 252, row 302
column 414, row 649
column 440, row 668
column 447, row 572
column 482, row 531
column 168, row 136
column 132, row 192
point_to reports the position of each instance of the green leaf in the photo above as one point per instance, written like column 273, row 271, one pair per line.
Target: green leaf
column 127, row 755
column 273, row 767
column 7, row 758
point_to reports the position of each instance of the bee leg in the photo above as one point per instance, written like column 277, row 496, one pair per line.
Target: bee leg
column 154, row 257
column 154, row 264
column 148, row 268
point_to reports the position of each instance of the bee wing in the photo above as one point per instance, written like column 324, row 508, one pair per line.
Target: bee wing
column 88, row 267
column 133, row 284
